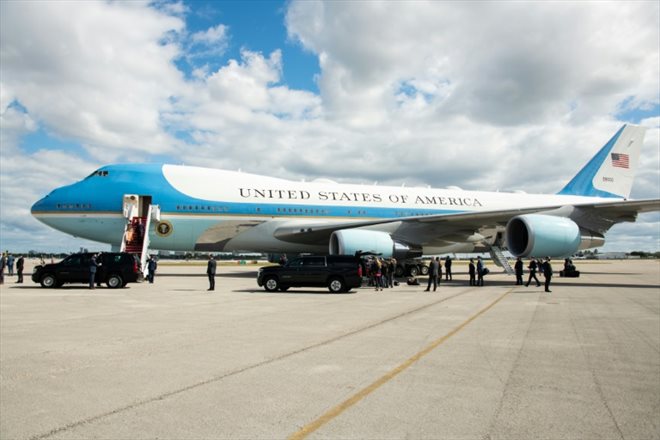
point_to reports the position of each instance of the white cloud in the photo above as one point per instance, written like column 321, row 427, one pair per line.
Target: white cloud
column 504, row 63
column 216, row 35
column 96, row 72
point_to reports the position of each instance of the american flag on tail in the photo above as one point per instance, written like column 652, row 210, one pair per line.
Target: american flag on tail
column 619, row 160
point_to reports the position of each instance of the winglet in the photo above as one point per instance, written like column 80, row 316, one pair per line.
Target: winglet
column 611, row 171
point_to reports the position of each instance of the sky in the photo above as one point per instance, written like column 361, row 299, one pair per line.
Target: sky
column 498, row 96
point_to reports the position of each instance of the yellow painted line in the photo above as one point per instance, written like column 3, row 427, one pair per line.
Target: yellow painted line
column 337, row 410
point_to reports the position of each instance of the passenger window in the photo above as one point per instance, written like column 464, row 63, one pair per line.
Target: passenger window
column 72, row 261
column 295, row 263
column 314, row 262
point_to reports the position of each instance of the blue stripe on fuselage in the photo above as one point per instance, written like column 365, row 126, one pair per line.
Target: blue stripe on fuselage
column 104, row 194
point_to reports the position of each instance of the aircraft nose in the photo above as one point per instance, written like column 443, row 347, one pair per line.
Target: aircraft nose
column 39, row 205
column 50, row 202
column 46, row 209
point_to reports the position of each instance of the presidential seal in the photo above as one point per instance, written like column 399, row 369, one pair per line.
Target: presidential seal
column 164, row 228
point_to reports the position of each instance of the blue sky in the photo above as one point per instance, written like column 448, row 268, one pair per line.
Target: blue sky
column 415, row 93
column 257, row 26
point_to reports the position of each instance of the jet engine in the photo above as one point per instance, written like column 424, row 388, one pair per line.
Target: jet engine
column 545, row 235
column 349, row 241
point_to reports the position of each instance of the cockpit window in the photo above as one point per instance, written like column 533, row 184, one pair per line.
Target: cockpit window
column 101, row 173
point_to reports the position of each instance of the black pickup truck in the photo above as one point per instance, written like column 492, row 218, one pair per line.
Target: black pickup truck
column 116, row 269
column 339, row 273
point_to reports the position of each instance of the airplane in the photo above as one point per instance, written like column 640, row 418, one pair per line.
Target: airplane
column 188, row 208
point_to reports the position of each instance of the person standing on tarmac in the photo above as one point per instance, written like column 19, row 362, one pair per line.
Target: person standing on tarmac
column 93, row 265
column 480, row 272
column 152, row 265
column 378, row 274
column 433, row 274
column 392, row 264
column 3, row 263
column 448, row 276
column 547, row 273
column 472, row 271
column 210, row 271
column 10, row 265
column 19, row 268
column 519, row 272
column 385, row 272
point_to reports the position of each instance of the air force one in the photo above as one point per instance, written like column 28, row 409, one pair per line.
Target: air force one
column 135, row 207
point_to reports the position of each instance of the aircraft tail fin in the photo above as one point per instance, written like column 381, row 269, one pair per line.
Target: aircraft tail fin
column 611, row 171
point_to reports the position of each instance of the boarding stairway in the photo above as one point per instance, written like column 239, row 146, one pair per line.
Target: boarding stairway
column 500, row 259
column 136, row 233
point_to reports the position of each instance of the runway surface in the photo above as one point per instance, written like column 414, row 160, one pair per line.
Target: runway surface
column 170, row 360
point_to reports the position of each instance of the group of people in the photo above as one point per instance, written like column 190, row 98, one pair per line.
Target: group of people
column 476, row 272
column 479, row 270
column 7, row 262
column 535, row 265
column 379, row 271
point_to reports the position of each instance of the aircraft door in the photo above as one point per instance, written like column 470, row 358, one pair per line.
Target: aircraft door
column 144, row 206
column 136, row 205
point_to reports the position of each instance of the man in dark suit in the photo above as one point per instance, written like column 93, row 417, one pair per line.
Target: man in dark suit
column 547, row 273
column 448, row 276
column 519, row 271
column 19, row 268
column 532, row 273
column 472, row 271
column 210, row 271
column 434, row 267
column 480, row 272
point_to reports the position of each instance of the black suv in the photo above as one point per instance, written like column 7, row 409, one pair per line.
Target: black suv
column 338, row 273
column 116, row 269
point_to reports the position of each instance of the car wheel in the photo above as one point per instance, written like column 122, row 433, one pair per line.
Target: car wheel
column 424, row 269
column 48, row 280
column 398, row 272
column 413, row 271
column 115, row 281
column 271, row 284
column 336, row 285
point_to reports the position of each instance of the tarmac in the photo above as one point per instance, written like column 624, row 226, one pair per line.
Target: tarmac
column 170, row 360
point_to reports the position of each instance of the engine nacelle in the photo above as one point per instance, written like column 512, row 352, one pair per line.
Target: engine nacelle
column 350, row 241
column 542, row 235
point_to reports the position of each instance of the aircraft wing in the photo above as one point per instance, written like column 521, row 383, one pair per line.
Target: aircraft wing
column 440, row 229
